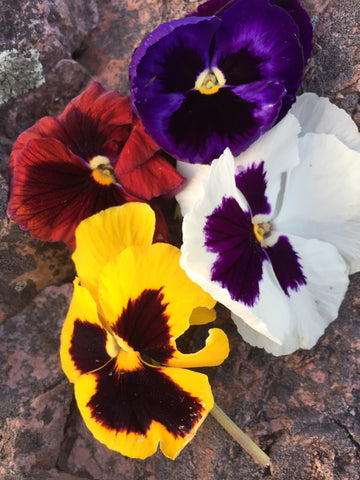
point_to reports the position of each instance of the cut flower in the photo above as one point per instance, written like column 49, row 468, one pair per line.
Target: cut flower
column 274, row 234
column 118, row 343
column 201, row 84
column 94, row 155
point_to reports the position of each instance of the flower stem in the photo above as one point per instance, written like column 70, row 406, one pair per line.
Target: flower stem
column 247, row 444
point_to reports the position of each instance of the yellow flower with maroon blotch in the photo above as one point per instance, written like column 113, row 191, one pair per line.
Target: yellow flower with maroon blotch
column 131, row 302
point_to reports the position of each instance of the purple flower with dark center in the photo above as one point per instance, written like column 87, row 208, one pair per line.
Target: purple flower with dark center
column 204, row 83
column 274, row 234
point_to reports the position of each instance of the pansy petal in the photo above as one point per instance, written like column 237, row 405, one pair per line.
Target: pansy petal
column 156, row 65
column 53, row 190
column 217, row 238
column 319, row 115
column 83, row 338
column 321, row 198
column 103, row 236
column 302, row 20
column 194, row 173
column 299, row 320
column 202, row 316
column 216, row 350
column 156, row 177
column 162, row 31
column 259, row 31
column 204, row 135
column 44, row 128
column 131, row 412
column 277, row 148
column 153, row 302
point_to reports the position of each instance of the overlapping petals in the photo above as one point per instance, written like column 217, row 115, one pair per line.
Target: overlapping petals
column 204, row 83
column 118, row 342
column 94, row 155
column 274, row 234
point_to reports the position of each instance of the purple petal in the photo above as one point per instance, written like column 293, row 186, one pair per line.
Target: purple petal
column 238, row 267
column 252, row 183
column 213, row 7
column 265, row 32
column 302, row 20
column 171, row 59
column 286, row 265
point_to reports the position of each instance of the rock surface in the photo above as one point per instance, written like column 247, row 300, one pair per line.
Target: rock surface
column 303, row 409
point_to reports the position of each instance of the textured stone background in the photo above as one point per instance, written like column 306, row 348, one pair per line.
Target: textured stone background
column 303, row 409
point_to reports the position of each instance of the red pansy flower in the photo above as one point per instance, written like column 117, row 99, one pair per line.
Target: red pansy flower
column 95, row 155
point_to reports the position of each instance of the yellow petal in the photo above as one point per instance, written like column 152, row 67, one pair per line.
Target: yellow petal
column 202, row 315
column 111, row 426
column 154, row 267
column 103, row 236
column 198, row 386
column 216, row 350
column 82, row 329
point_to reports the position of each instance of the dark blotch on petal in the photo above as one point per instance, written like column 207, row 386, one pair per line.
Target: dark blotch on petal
column 252, row 183
column 241, row 67
column 88, row 346
column 143, row 324
column 200, row 129
column 130, row 401
column 238, row 267
column 286, row 265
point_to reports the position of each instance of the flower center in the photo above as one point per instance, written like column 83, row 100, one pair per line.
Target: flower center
column 127, row 359
column 102, row 170
column 210, row 81
column 261, row 230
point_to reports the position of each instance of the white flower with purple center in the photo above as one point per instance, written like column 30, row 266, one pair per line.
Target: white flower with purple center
column 274, row 235
column 204, row 83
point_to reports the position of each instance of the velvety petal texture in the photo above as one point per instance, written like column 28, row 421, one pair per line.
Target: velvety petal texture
column 275, row 242
column 95, row 155
column 118, row 343
column 243, row 65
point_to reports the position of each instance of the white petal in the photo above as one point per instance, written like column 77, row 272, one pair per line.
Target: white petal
column 195, row 174
column 319, row 115
column 322, row 196
column 299, row 320
column 278, row 148
column 196, row 260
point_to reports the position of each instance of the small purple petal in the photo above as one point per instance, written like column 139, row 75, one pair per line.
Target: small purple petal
column 302, row 20
column 213, row 7
column 286, row 265
column 252, row 184
column 238, row 267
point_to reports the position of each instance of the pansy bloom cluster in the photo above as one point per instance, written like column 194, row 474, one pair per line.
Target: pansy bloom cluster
column 268, row 186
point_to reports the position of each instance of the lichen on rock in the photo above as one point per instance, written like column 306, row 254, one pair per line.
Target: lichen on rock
column 20, row 71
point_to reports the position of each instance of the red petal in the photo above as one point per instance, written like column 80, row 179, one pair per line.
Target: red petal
column 52, row 191
column 153, row 178
column 44, row 128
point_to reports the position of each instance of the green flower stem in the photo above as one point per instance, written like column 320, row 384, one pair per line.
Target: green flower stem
column 247, row 444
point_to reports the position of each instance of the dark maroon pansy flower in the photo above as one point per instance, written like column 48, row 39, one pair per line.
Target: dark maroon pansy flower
column 95, row 155
column 220, row 77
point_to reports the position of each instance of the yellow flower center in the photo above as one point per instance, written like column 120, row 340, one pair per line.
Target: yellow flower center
column 261, row 230
column 127, row 359
column 210, row 81
column 102, row 170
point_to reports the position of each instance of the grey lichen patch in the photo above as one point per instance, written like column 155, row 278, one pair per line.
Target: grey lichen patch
column 20, row 71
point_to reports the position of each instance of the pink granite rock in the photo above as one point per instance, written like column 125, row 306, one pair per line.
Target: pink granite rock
column 303, row 409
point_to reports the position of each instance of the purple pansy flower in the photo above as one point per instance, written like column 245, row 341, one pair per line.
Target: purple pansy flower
column 274, row 235
column 204, row 83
